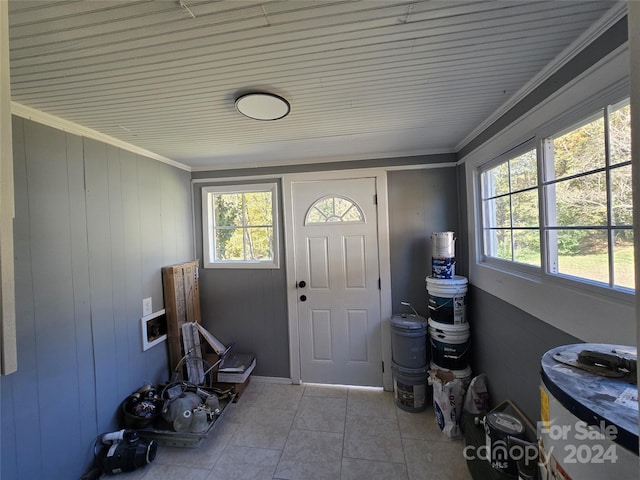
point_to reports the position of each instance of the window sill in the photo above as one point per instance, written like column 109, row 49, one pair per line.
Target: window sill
column 244, row 265
column 582, row 311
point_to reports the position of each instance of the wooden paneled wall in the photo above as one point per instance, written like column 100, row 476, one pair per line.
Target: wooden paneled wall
column 94, row 226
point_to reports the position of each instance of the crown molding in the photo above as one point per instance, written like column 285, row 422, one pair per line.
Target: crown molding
column 596, row 30
column 65, row 125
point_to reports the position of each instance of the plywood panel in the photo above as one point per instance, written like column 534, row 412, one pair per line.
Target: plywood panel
column 168, row 214
column 101, row 281
column 116, row 244
column 149, row 195
column 50, row 231
column 86, row 403
column 182, row 305
column 132, row 277
column 79, row 276
column 9, row 466
column 21, row 386
column 184, row 217
column 180, row 182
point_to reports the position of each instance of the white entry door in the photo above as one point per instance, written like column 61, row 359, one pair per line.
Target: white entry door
column 337, row 278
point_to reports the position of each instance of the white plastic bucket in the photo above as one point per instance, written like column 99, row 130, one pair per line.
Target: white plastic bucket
column 448, row 299
column 449, row 344
column 443, row 244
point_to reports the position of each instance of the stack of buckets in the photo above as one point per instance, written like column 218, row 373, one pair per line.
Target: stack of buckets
column 409, row 365
column 449, row 332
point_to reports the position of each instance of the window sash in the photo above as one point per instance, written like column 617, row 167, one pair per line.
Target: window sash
column 503, row 233
column 499, row 240
column 246, row 227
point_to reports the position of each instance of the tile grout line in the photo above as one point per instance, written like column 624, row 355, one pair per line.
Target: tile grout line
column 408, row 451
column 404, row 455
column 344, row 430
column 293, row 420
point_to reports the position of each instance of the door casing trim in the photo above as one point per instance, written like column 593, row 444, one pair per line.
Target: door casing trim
column 384, row 262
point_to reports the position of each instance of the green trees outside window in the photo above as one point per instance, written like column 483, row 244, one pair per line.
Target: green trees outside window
column 240, row 226
column 584, row 226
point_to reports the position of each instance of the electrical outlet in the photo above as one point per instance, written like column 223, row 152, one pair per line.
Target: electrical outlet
column 147, row 308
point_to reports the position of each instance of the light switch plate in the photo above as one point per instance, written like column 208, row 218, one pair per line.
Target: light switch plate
column 147, row 308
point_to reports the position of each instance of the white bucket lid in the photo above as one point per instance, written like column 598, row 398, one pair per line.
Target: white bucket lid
column 447, row 282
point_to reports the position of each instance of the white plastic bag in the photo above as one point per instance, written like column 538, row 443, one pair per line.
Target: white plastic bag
column 476, row 400
column 448, row 394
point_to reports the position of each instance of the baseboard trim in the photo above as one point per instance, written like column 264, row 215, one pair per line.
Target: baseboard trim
column 281, row 380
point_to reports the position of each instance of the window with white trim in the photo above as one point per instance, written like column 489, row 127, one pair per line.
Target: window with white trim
column 510, row 209
column 334, row 209
column 240, row 226
column 565, row 208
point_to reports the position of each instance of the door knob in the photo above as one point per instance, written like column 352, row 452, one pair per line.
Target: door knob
column 303, row 298
column 302, row 284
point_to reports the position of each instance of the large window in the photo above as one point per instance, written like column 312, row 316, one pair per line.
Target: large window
column 565, row 208
column 240, row 226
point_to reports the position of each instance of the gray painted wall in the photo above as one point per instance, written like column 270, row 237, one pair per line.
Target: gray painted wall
column 94, row 225
column 507, row 345
column 421, row 202
column 86, row 256
column 249, row 307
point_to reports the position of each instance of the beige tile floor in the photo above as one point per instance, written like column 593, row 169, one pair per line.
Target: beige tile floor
column 314, row 432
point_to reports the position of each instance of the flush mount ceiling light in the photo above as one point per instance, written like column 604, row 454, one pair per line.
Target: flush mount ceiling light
column 263, row 106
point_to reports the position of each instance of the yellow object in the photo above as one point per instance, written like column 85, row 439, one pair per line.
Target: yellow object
column 544, row 408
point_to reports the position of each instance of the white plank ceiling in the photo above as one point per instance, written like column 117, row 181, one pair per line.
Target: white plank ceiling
column 365, row 79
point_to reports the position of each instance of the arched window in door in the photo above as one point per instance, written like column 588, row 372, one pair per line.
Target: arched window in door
column 333, row 209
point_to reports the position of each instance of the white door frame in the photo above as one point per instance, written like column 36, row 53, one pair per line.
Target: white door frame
column 383, row 260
